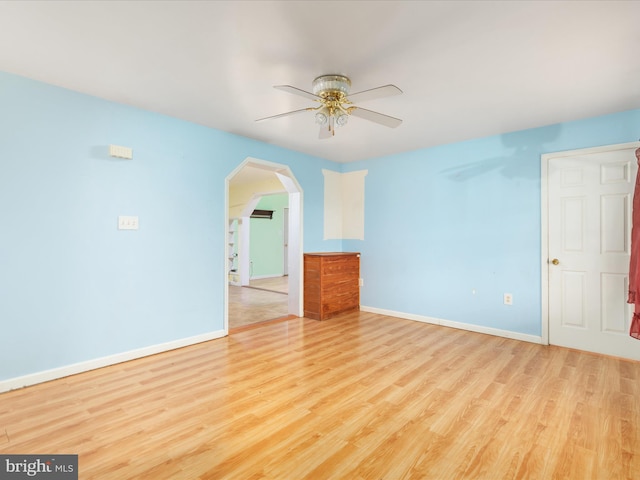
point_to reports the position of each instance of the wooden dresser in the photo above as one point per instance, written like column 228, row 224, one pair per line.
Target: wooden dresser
column 331, row 284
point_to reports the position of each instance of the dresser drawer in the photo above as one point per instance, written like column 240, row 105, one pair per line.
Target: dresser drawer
column 331, row 284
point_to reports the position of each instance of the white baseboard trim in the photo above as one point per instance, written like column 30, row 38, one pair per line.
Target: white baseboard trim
column 459, row 325
column 67, row 370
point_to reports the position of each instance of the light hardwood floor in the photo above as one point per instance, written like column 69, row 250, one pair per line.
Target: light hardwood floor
column 275, row 284
column 266, row 299
column 361, row 396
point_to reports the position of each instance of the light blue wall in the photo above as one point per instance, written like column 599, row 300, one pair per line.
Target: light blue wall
column 74, row 288
column 439, row 222
column 443, row 221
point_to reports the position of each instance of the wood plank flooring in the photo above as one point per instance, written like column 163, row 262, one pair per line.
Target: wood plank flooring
column 361, row 396
column 267, row 299
column 274, row 284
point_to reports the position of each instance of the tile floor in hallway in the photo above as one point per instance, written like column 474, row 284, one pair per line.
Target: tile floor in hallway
column 264, row 299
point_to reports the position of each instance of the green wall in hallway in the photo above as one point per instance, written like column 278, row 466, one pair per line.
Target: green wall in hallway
column 267, row 238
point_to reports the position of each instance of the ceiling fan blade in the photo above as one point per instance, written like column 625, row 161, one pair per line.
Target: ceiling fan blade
column 376, row 117
column 284, row 114
column 373, row 93
column 297, row 91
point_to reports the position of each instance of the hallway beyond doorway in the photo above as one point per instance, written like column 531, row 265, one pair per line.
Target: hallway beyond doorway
column 264, row 299
column 272, row 284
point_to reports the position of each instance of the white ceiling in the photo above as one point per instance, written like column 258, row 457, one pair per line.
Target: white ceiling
column 253, row 175
column 467, row 69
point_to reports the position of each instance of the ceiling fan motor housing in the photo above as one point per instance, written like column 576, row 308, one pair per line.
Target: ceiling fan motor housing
column 331, row 85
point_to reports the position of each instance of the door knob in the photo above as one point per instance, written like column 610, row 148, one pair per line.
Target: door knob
column 555, row 261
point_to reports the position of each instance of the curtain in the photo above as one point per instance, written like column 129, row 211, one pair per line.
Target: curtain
column 634, row 267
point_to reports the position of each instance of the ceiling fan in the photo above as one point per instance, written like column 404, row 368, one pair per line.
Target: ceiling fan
column 336, row 105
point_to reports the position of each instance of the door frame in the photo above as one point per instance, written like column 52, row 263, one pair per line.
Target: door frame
column 544, row 217
column 290, row 185
column 285, row 231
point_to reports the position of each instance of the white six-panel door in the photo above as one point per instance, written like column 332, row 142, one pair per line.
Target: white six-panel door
column 589, row 232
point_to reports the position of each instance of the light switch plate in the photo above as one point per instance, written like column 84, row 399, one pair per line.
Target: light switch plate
column 120, row 152
column 127, row 223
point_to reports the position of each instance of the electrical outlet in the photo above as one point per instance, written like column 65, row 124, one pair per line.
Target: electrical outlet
column 508, row 299
column 361, row 282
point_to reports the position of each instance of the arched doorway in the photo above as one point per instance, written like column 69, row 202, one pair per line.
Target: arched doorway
column 256, row 168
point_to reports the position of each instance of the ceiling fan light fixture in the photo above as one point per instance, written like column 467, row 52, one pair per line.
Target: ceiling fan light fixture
column 341, row 119
column 321, row 118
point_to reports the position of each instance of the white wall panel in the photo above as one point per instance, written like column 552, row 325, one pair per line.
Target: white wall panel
column 344, row 205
